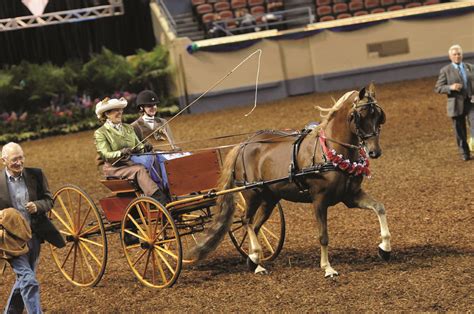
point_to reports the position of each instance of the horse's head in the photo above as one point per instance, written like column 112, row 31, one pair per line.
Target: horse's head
column 365, row 120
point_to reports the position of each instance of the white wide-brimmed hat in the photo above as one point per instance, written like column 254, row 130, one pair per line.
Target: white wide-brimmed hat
column 108, row 104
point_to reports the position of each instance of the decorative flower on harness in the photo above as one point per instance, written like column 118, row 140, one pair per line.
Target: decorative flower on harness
column 361, row 167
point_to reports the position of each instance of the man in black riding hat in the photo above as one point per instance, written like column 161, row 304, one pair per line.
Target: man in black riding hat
column 149, row 121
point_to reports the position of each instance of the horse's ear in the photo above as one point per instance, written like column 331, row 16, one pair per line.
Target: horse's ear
column 362, row 93
column 372, row 89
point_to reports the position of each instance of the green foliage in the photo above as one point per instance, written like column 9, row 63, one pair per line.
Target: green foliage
column 151, row 71
column 38, row 100
column 106, row 73
column 31, row 87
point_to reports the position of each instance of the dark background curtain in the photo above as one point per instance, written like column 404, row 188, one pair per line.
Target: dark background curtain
column 58, row 43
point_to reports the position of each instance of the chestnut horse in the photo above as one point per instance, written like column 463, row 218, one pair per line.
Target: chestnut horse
column 334, row 156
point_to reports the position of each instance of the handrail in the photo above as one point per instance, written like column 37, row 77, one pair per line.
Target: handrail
column 222, row 25
column 168, row 15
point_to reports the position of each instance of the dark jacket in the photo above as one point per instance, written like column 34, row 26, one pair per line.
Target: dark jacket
column 449, row 75
column 39, row 194
column 142, row 129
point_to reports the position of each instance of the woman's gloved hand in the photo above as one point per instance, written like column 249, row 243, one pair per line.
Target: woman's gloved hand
column 126, row 153
column 148, row 147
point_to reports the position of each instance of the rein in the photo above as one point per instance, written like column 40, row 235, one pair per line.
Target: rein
column 208, row 139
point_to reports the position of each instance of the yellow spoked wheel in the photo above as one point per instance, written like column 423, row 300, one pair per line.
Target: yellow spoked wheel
column 151, row 243
column 82, row 261
column 271, row 234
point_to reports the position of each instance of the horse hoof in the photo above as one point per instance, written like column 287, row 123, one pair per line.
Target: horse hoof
column 251, row 265
column 261, row 271
column 384, row 255
column 331, row 276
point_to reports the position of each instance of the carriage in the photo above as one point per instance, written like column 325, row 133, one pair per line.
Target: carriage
column 256, row 175
column 165, row 232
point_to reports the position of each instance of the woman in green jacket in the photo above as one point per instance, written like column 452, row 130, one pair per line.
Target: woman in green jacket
column 116, row 142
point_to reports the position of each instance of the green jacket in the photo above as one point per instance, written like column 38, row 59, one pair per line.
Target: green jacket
column 109, row 141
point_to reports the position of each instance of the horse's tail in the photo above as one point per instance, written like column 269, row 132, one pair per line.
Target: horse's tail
column 222, row 220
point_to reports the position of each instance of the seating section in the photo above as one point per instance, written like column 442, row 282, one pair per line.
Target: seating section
column 207, row 12
column 329, row 10
column 231, row 13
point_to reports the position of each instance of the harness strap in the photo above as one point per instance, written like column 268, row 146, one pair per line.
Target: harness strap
column 294, row 160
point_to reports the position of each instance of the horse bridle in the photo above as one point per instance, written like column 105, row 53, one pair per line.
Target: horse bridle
column 355, row 115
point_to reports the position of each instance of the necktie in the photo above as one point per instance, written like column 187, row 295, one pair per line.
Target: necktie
column 462, row 73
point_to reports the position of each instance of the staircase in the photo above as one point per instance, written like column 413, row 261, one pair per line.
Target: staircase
column 186, row 26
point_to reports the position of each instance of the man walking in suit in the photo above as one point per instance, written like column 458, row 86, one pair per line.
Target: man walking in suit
column 26, row 190
column 456, row 81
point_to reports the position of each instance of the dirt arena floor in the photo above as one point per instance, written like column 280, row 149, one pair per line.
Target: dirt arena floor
column 427, row 189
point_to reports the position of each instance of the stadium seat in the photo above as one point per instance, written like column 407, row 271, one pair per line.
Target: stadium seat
column 371, row 4
column 412, row 5
column 360, row 13
column 339, row 1
column 226, row 15
column 402, row 1
column 355, row 6
column 238, row 4
column 207, row 18
column 327, row 18
column 204, row 8
column 324, row 10
column 257, row 10
column 195, row 3
column 430, row 2
column 221, row 6
column 323, row 2
column 339, row 8
column 377, row 10
column 343, row 16
column 395, row 8
column 228, row 18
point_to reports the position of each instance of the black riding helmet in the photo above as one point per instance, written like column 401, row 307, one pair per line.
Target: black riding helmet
column 147, row 97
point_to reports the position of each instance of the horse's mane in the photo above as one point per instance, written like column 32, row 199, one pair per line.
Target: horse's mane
column 328, row 113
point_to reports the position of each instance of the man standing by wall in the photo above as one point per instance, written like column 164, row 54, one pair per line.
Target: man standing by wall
column 456, row 80
column 26, row 190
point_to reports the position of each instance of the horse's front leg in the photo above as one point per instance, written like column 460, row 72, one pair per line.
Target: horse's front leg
column 365, row 201
column 321, row 211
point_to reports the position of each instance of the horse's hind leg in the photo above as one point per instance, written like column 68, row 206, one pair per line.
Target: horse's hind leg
column 365, row 201
column 254, row 220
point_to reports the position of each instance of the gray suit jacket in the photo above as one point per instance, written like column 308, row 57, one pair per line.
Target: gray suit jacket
column 39, row 194
column 449, row 75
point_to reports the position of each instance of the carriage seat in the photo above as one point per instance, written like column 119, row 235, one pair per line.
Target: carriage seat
column 119, row 185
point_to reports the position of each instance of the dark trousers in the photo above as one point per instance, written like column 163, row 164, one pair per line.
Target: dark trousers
column 459, row 125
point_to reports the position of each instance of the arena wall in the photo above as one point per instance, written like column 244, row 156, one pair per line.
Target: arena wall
column 325, row 61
